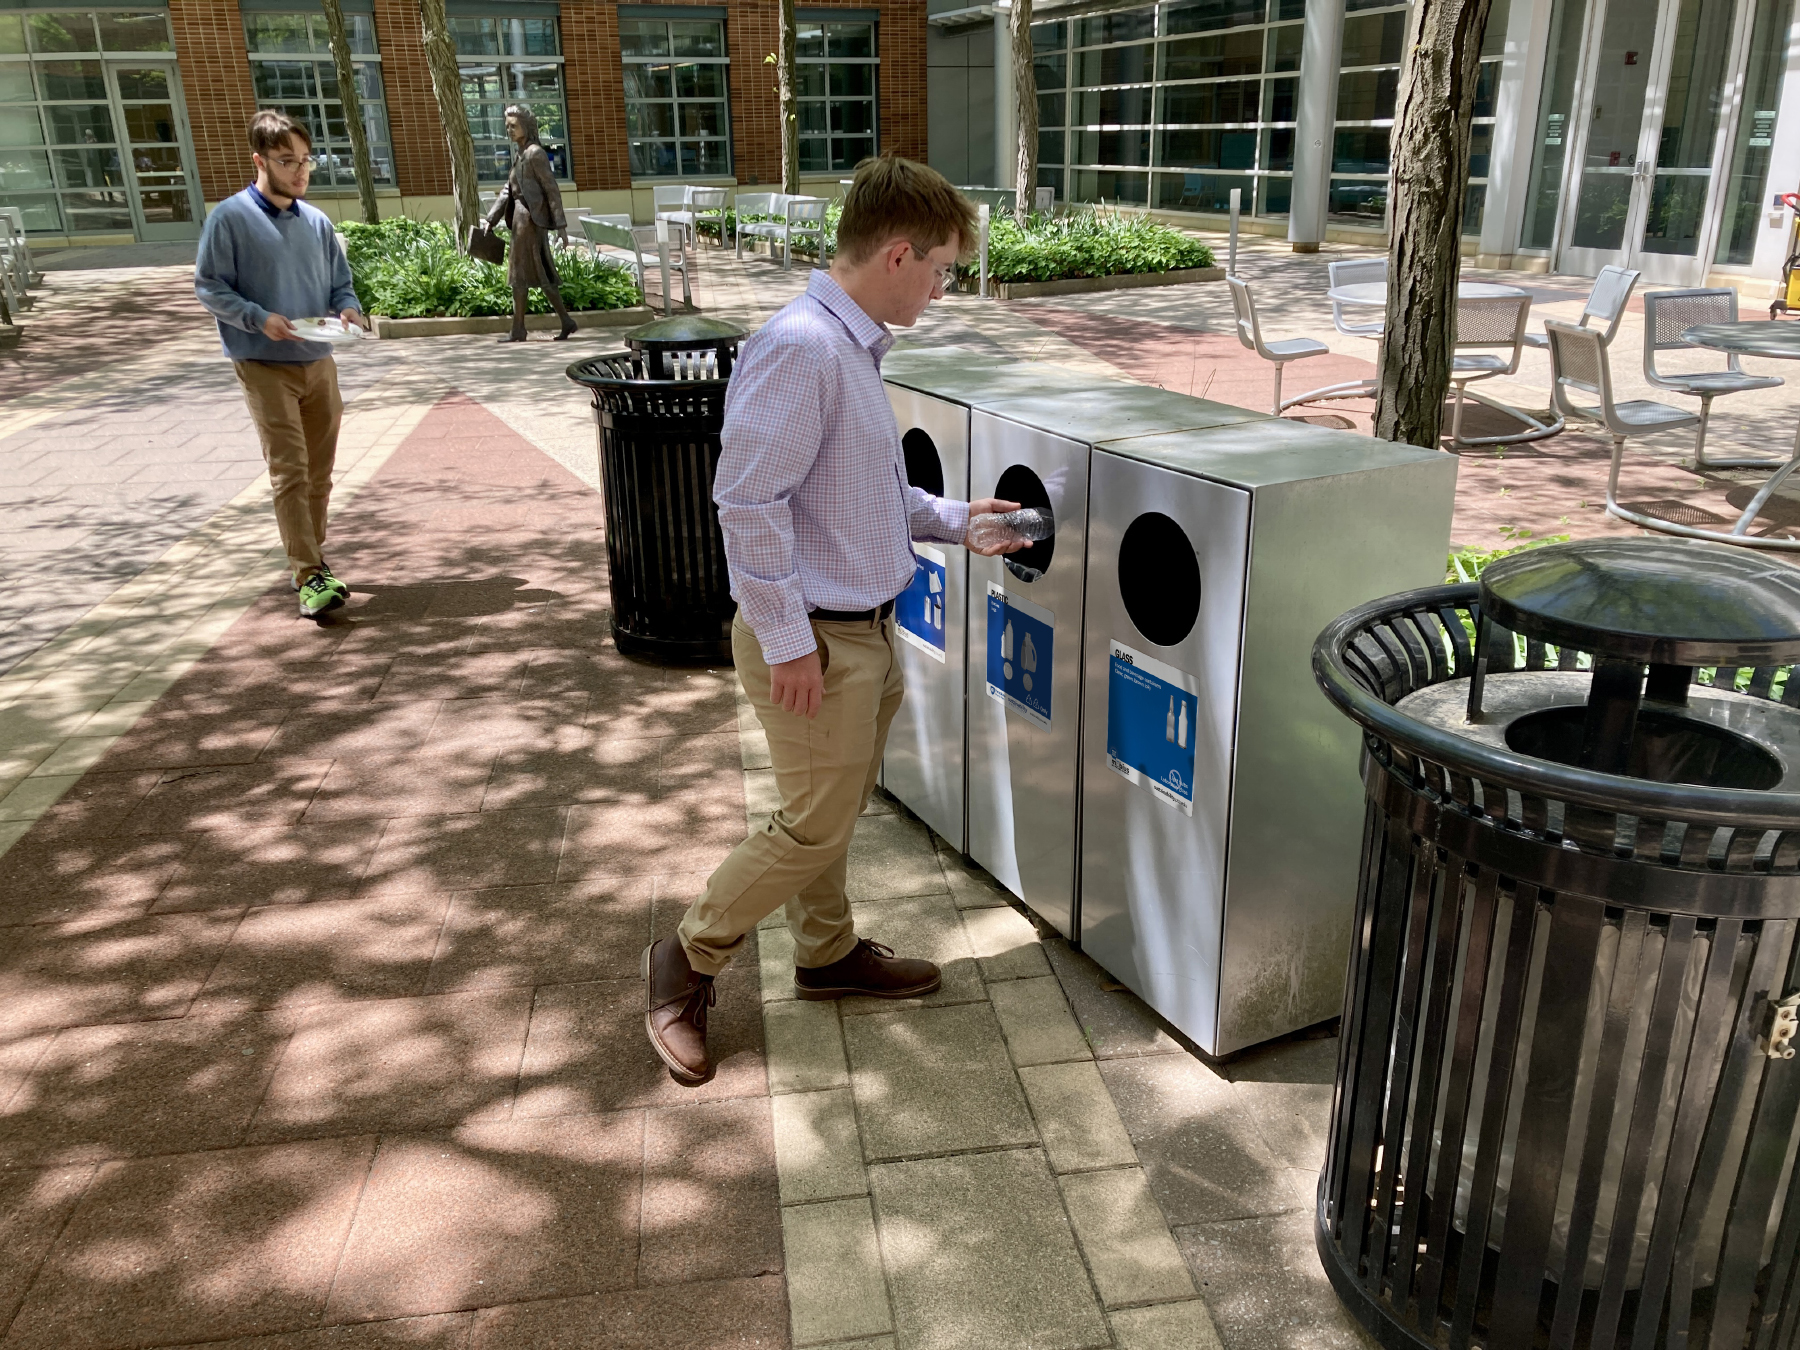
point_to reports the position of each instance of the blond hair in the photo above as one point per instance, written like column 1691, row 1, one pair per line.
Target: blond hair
column 895, row 198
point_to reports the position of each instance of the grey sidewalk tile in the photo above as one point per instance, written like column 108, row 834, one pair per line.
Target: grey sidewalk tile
column 775, row 949
column 806, row 1049
column 1125, row 1238
column 866, row 1343
column 1168, row 1326
column 1262, row 1281
column 970, row 885
column 979, row 1255
column 935, row 1080
column 761, row 796
column 1076, row 1116
column 834, row 1276
column 817, row 1151
column 1116, row 1021
column 1204, row 1154
column 1005, row 942
column 924, row 927
column 1039, row 1027
column 891, row 856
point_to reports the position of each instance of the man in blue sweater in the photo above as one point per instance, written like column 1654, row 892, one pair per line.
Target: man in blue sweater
column 267, row 258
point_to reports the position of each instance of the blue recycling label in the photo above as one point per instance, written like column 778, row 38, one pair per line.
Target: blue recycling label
column 1152, row 713
column 919, row 609
column 1020, row 654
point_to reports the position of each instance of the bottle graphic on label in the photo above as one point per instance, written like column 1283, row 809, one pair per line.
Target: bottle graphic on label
column 1028, row 659
column 1006, row 651
column 1169, row 725
column 1181, row 726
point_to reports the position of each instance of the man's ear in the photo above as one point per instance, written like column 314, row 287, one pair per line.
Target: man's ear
column 893, row 254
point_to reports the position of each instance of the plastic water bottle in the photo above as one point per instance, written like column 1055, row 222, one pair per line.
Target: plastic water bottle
column 1028, row 523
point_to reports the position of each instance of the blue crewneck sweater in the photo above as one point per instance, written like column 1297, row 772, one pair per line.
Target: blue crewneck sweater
column 255, row 261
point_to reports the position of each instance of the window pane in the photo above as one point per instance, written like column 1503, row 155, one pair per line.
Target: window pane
column 1209, row 14
column 283, row 79
column 643, row 37
column 97, row 210
column 1109, row 185
column 698, row 39
column 1276, row 195
column 700, row 81
column 79, row 123
column 1284, row 47
column 71, row 79
column 1367, row 95
column 362, row 33
column 851, row 80
column 650, row 119
column 1049, row 37
column 1278, row 150
column 1373, row 39
column 15, row 83
column 487, row 121
column 1755, row 135
column 1115, row 65
column 150, row 123
column 88, row 169
column 1050, row 147
column 550, row 121
column 276, row 33
column 1358, row 203
column 121, row 32
column 12, row 34
column 40, row 212
column 1052, row 71
column 1113, row 107
column 1053, row 110
column 537, row 82
column 1227, row 101
column 1123, row 27
column 1544, row 192
column 815, row 155
column 475, row 37
column 648, row 82
column 849, row 151
column 1111, row 147
column 368, row 82
column 481, row 82
column 1488, row 84
column 1474, row 204
column 165, row 207
column 1201, row 191
column 708, row 119
column 812, row 80
column 1209, row 149
column 155, row 160
column 142, row 82
column 850, row 39
column 1481, row 149
column 62, row 33
column 854, row 119
column 23, row 169
column 809, row 39
column 652, row 159
column 1360, row 151
column 532, row 37
column 1205, row 58
column 1493, row 41
column 814, row 119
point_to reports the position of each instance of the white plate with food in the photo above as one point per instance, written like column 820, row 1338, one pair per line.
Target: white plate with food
column 327, row 330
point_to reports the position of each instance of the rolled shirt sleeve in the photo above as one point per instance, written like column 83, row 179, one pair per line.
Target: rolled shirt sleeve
column 775, row 419
column 936, row 520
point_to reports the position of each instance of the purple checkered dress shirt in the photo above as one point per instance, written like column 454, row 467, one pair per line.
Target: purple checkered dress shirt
column 811, row 488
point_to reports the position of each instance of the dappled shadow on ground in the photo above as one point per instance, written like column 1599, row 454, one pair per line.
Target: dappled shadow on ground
column 319, row 995
column 80, row 322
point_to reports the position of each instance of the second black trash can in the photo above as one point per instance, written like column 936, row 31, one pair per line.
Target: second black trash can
column 658, row 409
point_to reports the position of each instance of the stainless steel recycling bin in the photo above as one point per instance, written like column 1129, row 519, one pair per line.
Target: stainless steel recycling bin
column 1220, row 806
column 1566, row 1100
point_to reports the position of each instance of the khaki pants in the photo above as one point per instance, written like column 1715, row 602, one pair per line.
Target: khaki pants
column 297, row 409
column 824, row 770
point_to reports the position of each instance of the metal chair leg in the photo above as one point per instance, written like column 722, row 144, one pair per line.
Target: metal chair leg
column 1278, row 366
column 1702, row 463
column 1738, row 532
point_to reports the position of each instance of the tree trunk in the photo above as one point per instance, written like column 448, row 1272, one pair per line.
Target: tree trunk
column 1025, row 107
column 1430, row 180
column 446, row 86
column 352, row 101
column 787, row 89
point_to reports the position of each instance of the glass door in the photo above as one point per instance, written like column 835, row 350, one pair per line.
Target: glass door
column 1648, row 136
column 147, row 97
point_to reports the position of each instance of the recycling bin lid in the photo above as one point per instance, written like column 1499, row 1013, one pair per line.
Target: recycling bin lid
column 1658, row 601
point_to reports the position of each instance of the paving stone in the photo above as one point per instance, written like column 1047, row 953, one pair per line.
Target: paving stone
column 294, row 956
column 1167, row 1326
column 34, row 1204
column 1204, row 1154
column 1076, row 1116
column 659, row 709
column 1035, row 1017
column 473, row 851
column 58, row 880
column 710, row 1197
column 1115, row 1021
column 388, row 786
column 170, row 1086
column 561, row 934
column 934, row 1080
column 232, row 798
column 971, row 887
column 587, row 1051
column 817, row 1149
column 806, row 1046
column 689, row 834
column 443, row 1331
column 178, row 738
column 352, row 730
column 1288, row 1087
column 397, row 1064
column 978, row 1255
column 96, row 804
column 230, row 1242
column 494, row 1213
column 836, row 1289
column 508, row 723
column 924, row 927
column 474, row 675
column 1005, row 943
column 585, row 771
column 1124, row 1237
column 698, row 763
column 291, row 865
column 891, row 856
column 86, row 972
column 775, row 953
column 720, row 1315
column 1262, row 1281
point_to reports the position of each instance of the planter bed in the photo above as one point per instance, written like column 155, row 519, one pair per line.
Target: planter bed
column 1024, row 290
column 386, row 327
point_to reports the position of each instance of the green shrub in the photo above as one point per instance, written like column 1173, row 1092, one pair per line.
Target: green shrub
column 1466, row 564
column 1095, row 243
column 411, row 269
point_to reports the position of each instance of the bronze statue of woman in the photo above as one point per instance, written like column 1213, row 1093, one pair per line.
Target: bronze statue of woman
column 532, row 208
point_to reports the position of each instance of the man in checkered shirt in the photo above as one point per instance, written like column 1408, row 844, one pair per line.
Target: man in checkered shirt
column 819, row 522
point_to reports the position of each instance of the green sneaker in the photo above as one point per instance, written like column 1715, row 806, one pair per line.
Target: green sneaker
column 326, row 572
column 319, row 595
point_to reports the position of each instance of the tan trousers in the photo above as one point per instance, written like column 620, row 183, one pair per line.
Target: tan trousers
column 824, row 770
column 297, row 409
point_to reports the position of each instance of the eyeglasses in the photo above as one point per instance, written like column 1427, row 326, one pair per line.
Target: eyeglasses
column 293, row 165
column 943, row 277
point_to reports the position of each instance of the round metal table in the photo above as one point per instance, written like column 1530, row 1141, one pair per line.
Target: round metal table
column 1375, row 293
column 1772, row 338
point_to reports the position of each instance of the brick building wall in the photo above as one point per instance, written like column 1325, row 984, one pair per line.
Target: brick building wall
column 421, row 161
column 903, row 101
column 215, row 77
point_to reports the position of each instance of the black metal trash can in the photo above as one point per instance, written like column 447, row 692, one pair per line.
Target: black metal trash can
column 659, row 407
column 1565, row 1111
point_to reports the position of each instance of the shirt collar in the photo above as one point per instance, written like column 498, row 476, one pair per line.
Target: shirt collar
column 868, row 334
column 269, row 208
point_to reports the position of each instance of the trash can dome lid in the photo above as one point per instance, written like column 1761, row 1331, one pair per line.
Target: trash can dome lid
column 684, row 331
column 1663, row 601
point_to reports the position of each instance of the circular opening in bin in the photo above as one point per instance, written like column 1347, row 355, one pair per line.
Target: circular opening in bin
column 1159, row 578
column 1667, row 748
column 924, row 467
column 1019, row 484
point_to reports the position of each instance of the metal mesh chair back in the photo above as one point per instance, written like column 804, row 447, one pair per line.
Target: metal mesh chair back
column 609, row 232
column 1606, row 302
column 1497, row 322
column 1248, row 330
column 1667, row 314
column 706, row 199
column 806, row 210
column 1577, row 356
column 1358, row 272
column 670, row 196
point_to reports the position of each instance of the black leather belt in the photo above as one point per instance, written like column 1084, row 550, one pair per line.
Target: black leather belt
column 852, row 615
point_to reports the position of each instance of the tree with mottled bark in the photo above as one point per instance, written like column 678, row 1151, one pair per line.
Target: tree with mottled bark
column 446, row 88
column 1429, row 182
column 1025, row 107
column 350, row 96
column 787, row 94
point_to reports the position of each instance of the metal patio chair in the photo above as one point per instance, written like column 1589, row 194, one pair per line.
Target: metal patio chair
column 1605, row 304
column 1357, row 272
column 616, row 238
column 670, row 202
column 1249, row 331
column 801, row 218
column 1498, row 325
column 1667, row 315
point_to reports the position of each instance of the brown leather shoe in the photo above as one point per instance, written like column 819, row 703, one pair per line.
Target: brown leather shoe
column 675, row 1014
column 872, row 970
